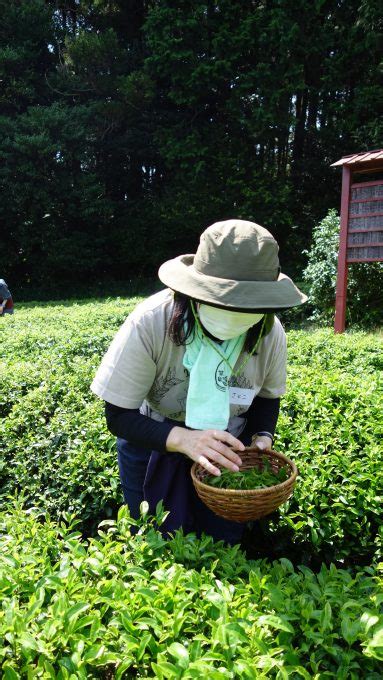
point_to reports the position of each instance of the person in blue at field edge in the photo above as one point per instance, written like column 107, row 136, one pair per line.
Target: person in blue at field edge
column 198, row 369
column 6, row 302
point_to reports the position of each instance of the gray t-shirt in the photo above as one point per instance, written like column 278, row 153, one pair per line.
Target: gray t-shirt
column 144, row 369
column 4, row 291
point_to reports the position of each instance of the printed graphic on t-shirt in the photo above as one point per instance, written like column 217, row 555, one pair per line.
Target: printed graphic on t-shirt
column 221, row 377
column 162, row 385
column 179, row 415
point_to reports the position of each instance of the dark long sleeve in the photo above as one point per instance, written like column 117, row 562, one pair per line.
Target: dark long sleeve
column 262, row 415
column 138, row 429
column 142, row 431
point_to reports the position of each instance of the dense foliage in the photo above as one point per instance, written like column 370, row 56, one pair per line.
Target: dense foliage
column 123, row 606
column 60, row 455
column 364, row 280
column 124, row 603
column 126, row 127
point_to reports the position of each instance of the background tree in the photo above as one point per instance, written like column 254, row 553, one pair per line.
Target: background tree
column 128, row 126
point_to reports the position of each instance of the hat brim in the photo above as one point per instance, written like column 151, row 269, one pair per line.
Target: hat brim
column 180, row 275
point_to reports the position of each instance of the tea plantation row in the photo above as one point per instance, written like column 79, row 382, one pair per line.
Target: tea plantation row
column 114, row 605
column 123, row 606
column 60, row 456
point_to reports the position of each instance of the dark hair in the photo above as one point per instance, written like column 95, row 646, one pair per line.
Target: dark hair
column 182, row 324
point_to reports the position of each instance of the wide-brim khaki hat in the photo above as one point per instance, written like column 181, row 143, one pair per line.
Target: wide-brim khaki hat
column 236, row 266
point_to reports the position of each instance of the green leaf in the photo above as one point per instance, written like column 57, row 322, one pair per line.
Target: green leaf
column 276, row 622
column 123, row 513
column 375, row 646
column 93, row 653
column 282, row 674
column 369, row 620
column 73, row 612
column 350, row 629
column 143, row 643
column 325, row 621
column 123, row 666
column 49, row 669
column 229, row 635
column 180, row 653
column 28, row 642
column 9, row 673
column 164, row 669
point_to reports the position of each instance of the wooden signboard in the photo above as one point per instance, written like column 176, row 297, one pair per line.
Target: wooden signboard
column 365, row 222
column 361, row 222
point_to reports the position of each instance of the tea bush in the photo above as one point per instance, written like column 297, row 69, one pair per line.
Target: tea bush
column 124, row 606
column 365, row 279
column 331, row 424
column 57, row 449
column 60, row 456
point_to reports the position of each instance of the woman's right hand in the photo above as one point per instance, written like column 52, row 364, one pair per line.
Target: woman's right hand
column 206, row 447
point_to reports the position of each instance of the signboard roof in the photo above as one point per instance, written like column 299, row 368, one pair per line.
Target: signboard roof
column 360, row 158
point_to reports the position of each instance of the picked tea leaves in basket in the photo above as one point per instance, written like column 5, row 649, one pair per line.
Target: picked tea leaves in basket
column 266, row 480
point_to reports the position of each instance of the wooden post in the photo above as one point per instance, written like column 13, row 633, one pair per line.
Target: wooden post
column 341, row 282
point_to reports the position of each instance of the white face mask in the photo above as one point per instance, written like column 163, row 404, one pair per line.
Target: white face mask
column 225, row 324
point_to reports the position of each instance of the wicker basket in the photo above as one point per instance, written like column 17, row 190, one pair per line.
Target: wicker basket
column 248, row 504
